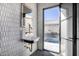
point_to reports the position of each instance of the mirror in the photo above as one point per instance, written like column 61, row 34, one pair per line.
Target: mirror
column 27, row 21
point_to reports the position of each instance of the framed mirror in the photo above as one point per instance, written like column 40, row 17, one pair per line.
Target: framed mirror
column 27, row 21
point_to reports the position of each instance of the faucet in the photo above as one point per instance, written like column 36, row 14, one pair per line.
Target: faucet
column 30, row 28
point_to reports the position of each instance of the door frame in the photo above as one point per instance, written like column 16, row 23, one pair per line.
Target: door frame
column 74, row 29
column 59, row 27
column 74, row 21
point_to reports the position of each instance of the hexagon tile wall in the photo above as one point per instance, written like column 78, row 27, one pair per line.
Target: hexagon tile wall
column 10, row 44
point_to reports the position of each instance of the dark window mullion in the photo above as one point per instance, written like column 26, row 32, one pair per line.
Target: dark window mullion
column 74, row 29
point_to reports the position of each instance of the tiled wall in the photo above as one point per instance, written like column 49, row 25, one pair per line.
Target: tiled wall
column 10, row 30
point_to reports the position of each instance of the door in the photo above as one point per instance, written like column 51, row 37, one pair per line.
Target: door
column 51, row 28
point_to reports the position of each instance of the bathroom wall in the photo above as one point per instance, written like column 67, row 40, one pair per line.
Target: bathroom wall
column 10, row 44
column 10, row 29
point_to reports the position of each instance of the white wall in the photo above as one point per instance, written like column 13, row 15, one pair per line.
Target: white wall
column 40, row 21
column 10, row 33
column 10, row 43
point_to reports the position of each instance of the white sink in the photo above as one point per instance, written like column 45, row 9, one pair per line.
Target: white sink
column 30, row 39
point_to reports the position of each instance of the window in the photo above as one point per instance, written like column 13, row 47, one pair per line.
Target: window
column 51, row 29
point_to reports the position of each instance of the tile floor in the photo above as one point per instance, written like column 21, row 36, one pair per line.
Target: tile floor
column 44, row 53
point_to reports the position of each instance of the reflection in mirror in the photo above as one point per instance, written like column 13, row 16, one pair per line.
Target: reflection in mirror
column 27, row 21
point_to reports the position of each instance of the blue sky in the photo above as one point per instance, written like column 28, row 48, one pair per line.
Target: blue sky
column 30, row 14
column 51, row 14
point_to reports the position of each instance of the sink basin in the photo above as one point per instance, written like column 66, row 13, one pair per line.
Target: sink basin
column 31, row 39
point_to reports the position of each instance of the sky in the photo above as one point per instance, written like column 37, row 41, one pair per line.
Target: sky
column 51, row 14
column 30, row 14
